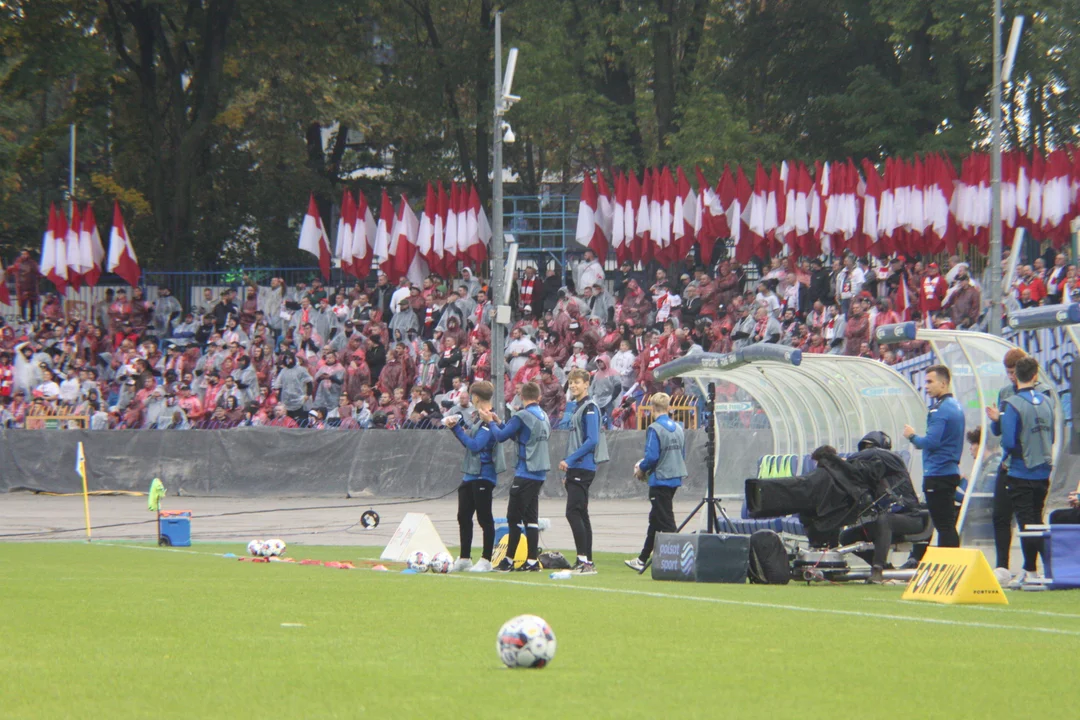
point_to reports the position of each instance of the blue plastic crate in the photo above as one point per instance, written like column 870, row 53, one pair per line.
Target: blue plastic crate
column 174, row 528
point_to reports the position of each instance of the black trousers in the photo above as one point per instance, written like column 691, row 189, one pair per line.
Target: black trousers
column 523, row 509
column 28, row 310
column 577, row 509
column 1028, row 499
column 661, row 516
column 940, row 491
column 1002, row 518
column 1065, row 516
column 880, row 531
column 474, row 498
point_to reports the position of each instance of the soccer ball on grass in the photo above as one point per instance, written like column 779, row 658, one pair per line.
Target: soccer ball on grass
column 418, row 561
column 255, row 547
column 274, row 548
column 526, row 641
column 441, row 563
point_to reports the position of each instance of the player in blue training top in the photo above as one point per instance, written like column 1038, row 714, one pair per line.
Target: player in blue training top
column 483, row 463
column 942, row 446
column 586, row 447
column 531, row 428
column 665, row 465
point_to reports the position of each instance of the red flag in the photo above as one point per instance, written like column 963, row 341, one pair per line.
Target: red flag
column 405, row 261
column 60, row 270
column 122, row 260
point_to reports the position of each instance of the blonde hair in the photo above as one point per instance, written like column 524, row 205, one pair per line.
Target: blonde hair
column 578, row 374
column 660, row 402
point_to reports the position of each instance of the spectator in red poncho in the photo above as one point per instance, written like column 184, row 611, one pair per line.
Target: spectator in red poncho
column 932, row 291
column 858, row 327
column 552, row 395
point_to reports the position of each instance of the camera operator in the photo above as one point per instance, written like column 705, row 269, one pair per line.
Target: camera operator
column 896, row 511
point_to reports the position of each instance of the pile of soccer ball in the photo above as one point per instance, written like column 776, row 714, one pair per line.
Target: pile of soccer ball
column 267, row 548
column 419, row 561
column 526, row 641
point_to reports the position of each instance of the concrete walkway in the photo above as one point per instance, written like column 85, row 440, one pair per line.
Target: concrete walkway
column 618, row 525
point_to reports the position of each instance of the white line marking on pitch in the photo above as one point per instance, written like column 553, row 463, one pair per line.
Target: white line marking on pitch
column 778, row 606
column 987, row 608
column 743, row 603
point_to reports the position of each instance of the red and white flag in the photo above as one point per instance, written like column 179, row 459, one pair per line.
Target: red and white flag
column 313, row 238
column 48, row 249
column 635, row 226
column 618, row 219
column 754, row 212
column 656, row 216
column 903, row 299
column 74, row 252
column 463, row 238
column 343, row 246
column 405, row 259
column 122, row 259
column 709, row 220
column 425, row 236
column 441, row 266
column 586, row 230
column 479, row 250
column 685, row 210
column 363, row 246
column 801, row 220
column 605, row 214
column 381, row 252
column 450, row 247
column 53, row 255
column 870, row 208
column 665, row 250
column 736, row 214
column 90, row 246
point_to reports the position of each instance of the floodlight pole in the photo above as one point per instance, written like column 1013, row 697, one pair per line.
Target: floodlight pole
column 994, row 317
column 497, row 258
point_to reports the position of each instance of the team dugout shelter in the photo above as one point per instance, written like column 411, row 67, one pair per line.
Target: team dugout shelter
column 773, row 402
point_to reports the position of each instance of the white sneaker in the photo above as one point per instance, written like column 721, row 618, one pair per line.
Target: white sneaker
column 635, row 564
column 1018, row 580
column 481, row 566
column 1004, row 577
column 462, row 565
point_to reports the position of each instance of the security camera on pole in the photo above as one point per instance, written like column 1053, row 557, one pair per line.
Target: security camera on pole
column 502, row 133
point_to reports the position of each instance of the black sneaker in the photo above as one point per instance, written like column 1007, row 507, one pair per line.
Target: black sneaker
column 505, row 565
column 526, row 567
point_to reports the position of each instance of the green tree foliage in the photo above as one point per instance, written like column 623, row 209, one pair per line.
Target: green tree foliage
column 211, row 120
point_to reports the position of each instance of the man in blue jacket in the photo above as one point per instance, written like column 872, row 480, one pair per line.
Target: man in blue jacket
column 942, row 446
column 1027, row 440
column 665, row 465
column 531, row 428
column 483, row 463
column 586, row 447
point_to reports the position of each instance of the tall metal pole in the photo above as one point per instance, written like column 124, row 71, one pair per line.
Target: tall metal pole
column 71, row 160
column 497, row 259
column 994, row 318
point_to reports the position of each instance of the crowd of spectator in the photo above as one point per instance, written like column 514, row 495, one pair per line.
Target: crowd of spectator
column 376, row 355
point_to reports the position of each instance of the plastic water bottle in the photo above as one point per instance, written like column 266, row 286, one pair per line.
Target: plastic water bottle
column 561, row 575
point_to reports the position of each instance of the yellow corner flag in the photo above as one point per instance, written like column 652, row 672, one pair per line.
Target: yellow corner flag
column 953, row 576
column 80, row 468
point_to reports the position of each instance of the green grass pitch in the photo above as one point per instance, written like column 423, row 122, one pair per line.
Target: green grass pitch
column 111, row 631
